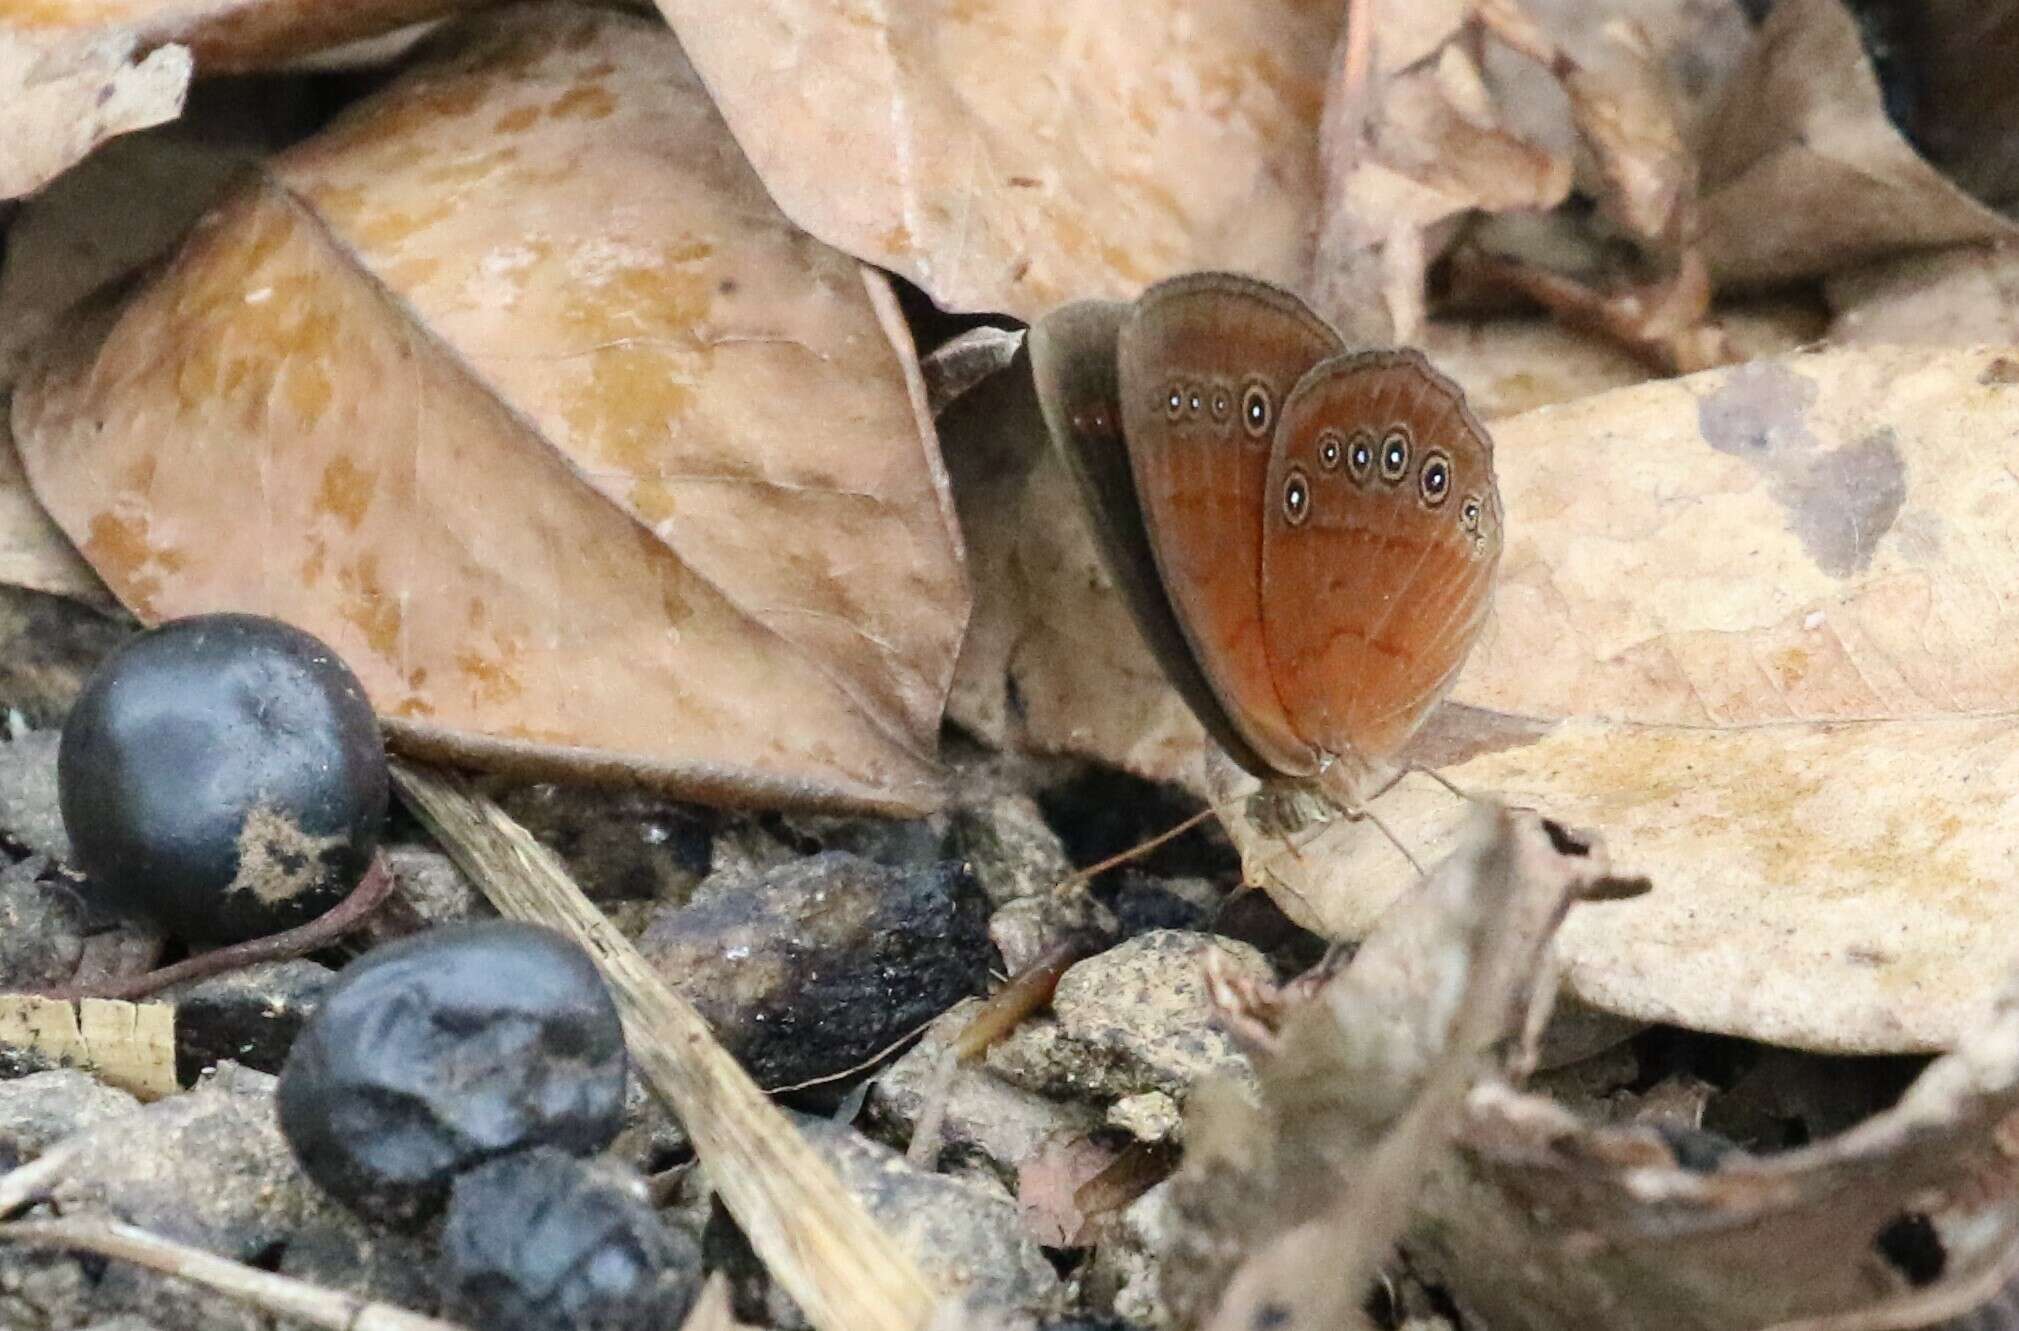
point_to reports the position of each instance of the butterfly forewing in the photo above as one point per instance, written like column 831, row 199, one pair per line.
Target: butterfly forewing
column 1205, row 364
column 1381, row 536
column 1072, row 355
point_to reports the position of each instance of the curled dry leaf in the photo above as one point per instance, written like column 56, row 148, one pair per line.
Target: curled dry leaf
column 223, row 36
column 1551, row 1223
column 1429, row 145
column 1755, row 624
column 1017, row 154
column 514, row 387
column 1637, row 165
column 1291, row 1205
column 1804, row 174
column 64, row 93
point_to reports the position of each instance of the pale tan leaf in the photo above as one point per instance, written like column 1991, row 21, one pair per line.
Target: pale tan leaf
column 514, row 387
column 62, row 94
column 128, row 1045
column 1052, row 661
column 1016, row 154
column 223, row 36
column 34, row 553
column 1959, row 297
column 1755, row 625
column 1804, row 174
column 1510, row 365
column 1432, row 145
column 124, row 206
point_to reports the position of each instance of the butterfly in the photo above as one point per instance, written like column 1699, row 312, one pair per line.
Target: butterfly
column 1307, row 536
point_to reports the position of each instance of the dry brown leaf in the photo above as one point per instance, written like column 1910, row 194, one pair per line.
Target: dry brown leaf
column 126, row 205
column 1052, row 662
column 224, row 36
column 1960, row 297
column 1756, row 625
column 1020, row 153
column 128, row 1045
column 1553, row 1224
column 1635, row 162
column 34, row 553
column 1803, row 173
column 62, row 94
column 1293, row 1204
column 1510, row 365
column 514, row 387
column 1431, row 146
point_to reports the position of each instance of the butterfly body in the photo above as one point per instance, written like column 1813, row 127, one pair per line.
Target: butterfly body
column 1307, row 536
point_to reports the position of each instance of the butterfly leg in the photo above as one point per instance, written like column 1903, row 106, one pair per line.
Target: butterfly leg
column 1458, row 792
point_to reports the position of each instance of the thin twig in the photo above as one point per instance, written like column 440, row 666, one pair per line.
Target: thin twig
column 25, row 1185
column 278, row 1294
column 370, row 892
column 1140, row 849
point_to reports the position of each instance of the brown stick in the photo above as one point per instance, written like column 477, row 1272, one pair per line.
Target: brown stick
column 371, row 890
column 285, row 1295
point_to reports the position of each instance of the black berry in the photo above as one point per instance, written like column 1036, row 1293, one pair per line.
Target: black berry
column 542, row 1242
column 445, row 1050
column 223, row 774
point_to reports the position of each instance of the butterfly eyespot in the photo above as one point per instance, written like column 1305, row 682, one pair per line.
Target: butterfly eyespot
column 1394, row 455
column 1435, row 479
column 1222, row 404
column 1196, row 402
column 1296, row 499
column 1360, row 454
column 1174, row 402
column 1330, row 451
column 1256, row 409
column 1471, row 514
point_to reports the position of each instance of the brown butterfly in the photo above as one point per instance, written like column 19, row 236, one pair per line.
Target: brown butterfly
column 1306, row 536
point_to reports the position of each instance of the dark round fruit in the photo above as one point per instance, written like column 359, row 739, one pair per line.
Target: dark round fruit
column 223, row 774
column 445, row 1050
column 542, row 1242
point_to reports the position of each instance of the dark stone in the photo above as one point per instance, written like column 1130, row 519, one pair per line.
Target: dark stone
column 540, row 1241
column 898, row 842
column 41, row 1109
column 1143, row 903
column 249, row 1016
column 618, row 843
column 31, row 816
column 815, row 967
column 49, row 645
column 209, row 1168
column 447, row 1049
column 42, row 927
column 224, row 775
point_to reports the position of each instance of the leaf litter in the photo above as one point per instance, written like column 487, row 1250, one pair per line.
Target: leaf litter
column 1749, row 628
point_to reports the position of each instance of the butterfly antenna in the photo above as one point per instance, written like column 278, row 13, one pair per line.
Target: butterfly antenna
column 1134, row 852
